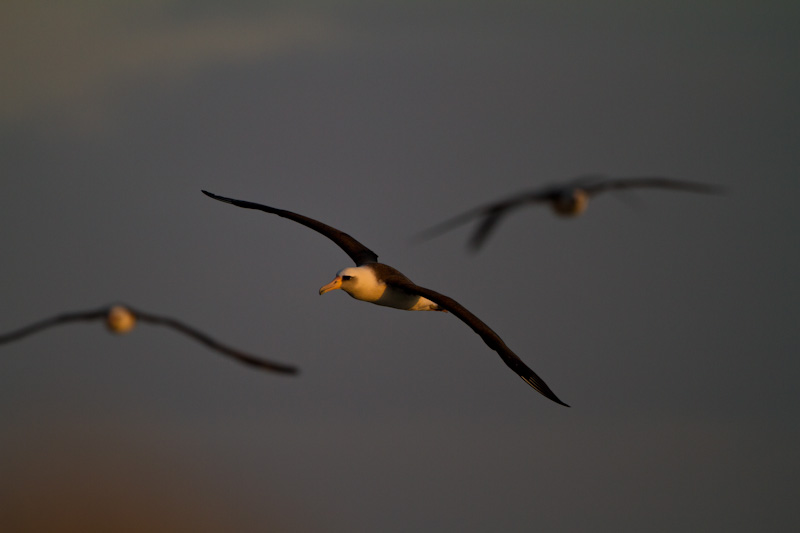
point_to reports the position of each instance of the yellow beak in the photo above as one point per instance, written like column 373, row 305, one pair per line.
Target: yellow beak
column 335, row 284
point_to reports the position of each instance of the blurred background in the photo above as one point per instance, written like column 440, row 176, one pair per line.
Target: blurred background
column 667, row 320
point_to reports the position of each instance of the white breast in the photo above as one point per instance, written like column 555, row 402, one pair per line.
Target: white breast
column 364, row 285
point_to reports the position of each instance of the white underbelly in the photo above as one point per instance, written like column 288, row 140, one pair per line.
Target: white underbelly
column 403, row 300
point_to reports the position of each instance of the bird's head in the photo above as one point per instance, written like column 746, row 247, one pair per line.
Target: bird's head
column 358, row 282
column 570, row 202
column 120, row 319
column 347, row 279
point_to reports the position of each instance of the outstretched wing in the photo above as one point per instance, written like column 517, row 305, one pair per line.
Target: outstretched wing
column 213, row 344
column 357, row 251
column 491, row 338
column 102, row 314
column 491, row 215
column 63, row 318
column 654, row 182
column 491, row 218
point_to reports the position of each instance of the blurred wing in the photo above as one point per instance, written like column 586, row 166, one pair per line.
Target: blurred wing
column 63, row 318
column 491, row 338
column 211, row 343
column 655, row 182
column 449, row 224
column 491, row 213
column 485, row 228
column 357, row 251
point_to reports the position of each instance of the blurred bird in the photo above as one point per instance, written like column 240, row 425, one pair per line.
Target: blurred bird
column 381, row 284
column 567, row 199
column 121, row 319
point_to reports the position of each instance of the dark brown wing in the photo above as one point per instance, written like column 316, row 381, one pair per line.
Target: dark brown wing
column 654, row 182
column 63, row 318
column 211, row 343
column 491, row 214
column 486, row 227
column 491, row 338
column 357, row 251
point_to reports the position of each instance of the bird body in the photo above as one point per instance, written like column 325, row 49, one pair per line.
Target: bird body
column 382, row 284
column 372, row 283
column 570, row 203
column 121, row 319
column 568, row 199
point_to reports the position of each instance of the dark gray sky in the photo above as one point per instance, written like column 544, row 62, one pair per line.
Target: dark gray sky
column 669, row 321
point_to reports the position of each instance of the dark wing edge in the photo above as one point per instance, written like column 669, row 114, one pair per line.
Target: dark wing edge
column 62, row 318
column 491, row 338
column 242, row 357
column 490, row 217
column 653, row 182
column 487, row 226
column 447, row 225
column 491, row 214
column 359, row 253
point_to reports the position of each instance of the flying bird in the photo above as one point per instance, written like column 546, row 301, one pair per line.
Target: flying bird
column 381, row 284
column 568, row 199
column 121, row 319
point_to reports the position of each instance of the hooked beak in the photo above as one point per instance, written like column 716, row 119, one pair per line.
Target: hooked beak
column 335, row 284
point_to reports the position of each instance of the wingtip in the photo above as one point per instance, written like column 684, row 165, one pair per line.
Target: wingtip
column 539, row 386
column 289, row 370
column 271, row 366
column 703, row 188
column 218, row 197
column 553, row 397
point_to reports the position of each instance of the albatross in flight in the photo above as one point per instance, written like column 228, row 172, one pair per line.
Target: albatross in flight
column 381, row 284
column 121, row 319
column 567, row 199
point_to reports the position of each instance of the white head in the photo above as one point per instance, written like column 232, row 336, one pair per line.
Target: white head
column 359, row 282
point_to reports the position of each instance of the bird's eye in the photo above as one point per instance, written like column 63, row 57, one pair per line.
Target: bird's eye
column 345, row 278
